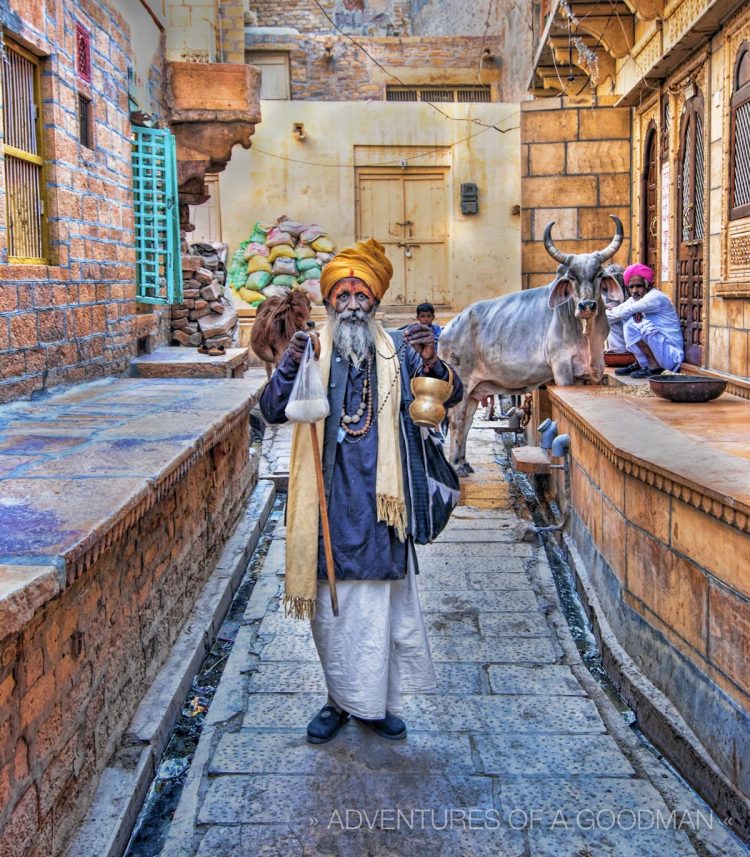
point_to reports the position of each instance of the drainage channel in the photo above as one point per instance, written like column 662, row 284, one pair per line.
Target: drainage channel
column 543, row 516
column 567, row 593
column 152, row 824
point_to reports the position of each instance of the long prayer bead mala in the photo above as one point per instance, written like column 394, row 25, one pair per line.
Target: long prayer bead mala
column 364, row 405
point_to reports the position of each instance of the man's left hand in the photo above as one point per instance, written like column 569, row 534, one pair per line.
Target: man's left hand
column 422, row 340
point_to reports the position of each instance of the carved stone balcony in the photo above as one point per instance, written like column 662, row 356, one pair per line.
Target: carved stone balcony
column 212, row 107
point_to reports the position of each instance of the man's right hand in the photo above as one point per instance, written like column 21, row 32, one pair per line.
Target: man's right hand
column 297, row 346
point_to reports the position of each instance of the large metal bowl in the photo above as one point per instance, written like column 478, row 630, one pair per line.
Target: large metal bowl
column 687, row 388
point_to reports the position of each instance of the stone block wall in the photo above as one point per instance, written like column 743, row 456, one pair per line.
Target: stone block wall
column 232, row 20
column 575, row 162
column 75, row 318
column 669, row 565
column 366, row 17
column 72, row 677
column 352, row 76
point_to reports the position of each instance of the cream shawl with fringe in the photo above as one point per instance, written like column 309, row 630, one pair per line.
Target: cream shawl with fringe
column 303, row 507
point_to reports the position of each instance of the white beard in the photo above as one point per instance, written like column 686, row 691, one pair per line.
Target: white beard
column 353, row 333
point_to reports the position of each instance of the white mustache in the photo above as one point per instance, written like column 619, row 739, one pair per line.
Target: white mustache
column 354, row 315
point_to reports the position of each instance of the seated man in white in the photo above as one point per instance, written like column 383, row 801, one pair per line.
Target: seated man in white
column 615, row 343
column 650, row 325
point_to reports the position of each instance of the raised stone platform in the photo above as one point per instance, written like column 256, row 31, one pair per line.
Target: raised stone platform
column 180, row 362
column 661, row 520
column 116, row 499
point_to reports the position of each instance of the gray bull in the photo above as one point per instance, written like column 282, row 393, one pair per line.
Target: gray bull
column 515, row 343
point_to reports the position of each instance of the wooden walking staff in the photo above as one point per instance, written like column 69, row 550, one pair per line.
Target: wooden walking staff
column 322, row 497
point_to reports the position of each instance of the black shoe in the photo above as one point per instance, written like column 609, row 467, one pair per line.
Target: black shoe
column 627, row 370
column 390, row 726
column 326, row 724
column 647, row 373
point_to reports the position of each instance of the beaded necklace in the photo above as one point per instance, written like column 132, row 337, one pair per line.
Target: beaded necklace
column 348, row 419
column 365, row 404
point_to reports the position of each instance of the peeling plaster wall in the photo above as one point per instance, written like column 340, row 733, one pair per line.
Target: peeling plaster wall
column 483, row 250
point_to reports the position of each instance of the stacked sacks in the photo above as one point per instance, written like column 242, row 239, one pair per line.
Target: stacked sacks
column 278, row 258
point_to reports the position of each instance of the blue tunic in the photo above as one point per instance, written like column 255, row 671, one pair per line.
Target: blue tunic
column 363, row 547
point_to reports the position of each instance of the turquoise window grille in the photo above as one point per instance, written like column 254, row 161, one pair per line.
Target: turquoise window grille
column 157, row 220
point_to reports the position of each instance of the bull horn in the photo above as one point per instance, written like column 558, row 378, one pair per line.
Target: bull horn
column 549, row 246
column 614, row 245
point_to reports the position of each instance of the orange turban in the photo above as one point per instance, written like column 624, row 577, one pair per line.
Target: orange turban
column 366, row 260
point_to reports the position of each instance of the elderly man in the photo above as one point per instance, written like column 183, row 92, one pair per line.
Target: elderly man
column 650, row 325
column 377, row 646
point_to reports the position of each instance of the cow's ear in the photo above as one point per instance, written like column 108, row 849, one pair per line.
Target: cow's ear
column 612, row 290
column 562, row 291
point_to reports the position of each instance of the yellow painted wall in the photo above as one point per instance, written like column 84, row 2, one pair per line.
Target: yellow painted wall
column 484, row 249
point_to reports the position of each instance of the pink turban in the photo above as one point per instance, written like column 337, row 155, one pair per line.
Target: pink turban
column 638, row 270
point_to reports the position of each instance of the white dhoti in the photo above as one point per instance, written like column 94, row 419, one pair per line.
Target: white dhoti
column 377, row 647
column 667, row 353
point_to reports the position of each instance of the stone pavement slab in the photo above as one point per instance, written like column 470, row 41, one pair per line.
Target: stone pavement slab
column 452, row 836
column 442, row 578
column 497, row 600
column 511, row 754
column 540, row 679
column 493, row 650
column 274, row 798
column 356, row 750
column 517, row 729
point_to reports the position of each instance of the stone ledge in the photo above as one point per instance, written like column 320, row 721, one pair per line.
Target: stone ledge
column 80, row 468
column 188, row 363
column 23, row 590
column 641, row 442
column 122, row 787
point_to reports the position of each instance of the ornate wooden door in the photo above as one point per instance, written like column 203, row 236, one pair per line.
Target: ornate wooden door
column 691, row 229
column 649, row 212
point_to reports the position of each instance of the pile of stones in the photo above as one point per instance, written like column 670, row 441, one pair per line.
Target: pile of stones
column 206, row 316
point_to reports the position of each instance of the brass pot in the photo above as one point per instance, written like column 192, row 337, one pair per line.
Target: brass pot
column 430, row 395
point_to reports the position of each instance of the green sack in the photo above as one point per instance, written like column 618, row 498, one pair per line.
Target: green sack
column 237, row 273
column 286, row 280
column 309, row 274
column 260, row 230
column 258, row 280
column 308, row 264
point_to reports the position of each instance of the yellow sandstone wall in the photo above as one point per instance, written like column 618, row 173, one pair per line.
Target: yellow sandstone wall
column 483, row 250
column 575, row 163
column 669, row 563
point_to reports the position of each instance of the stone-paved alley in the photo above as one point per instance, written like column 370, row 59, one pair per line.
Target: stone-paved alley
column 520, row 752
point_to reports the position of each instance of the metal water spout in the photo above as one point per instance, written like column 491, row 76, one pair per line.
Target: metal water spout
column 559, row 448
column 560, row 445
column 547, row 432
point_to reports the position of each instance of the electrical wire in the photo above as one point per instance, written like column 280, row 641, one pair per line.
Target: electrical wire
column 394, row 162
column 401, row 82
column 613, row 11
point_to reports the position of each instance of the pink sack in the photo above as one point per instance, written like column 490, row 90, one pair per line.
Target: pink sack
column 312, row 287
column 255, row 249
column 276, row 236
column 311, row 233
